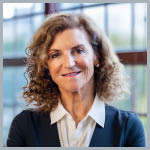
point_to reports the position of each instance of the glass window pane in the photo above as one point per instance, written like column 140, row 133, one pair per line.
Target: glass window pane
column 13, row 103
column 16, row 42
column 140, row 26
column 38, row 7
column 8, row 83
column 119, row 25
column 137, row 100
column 13, row 81
column 20, row 32
column 74, row 11
column 21, row 29
column 144, row 121
column 67, row 5
column 7, row 116
column 8, row 39
column 5, row 135
column 37, row 21
column 17, row 9
column 140, row 90
column 88, row 4
column 96, row 14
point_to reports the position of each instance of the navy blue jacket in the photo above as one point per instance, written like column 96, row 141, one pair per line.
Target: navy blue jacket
column 33, row 129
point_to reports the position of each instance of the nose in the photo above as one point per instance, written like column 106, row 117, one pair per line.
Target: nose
column 69, row 61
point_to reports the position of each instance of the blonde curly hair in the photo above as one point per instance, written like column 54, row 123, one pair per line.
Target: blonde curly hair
column 109, row 78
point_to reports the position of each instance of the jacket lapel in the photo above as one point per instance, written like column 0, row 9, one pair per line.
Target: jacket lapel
column 97, row 137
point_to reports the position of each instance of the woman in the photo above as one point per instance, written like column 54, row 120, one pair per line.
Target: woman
column 73, row 71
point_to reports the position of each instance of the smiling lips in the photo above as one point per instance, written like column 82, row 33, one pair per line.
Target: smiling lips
column 72, row 74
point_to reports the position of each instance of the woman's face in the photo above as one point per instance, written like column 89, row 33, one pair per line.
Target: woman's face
column 71, row 62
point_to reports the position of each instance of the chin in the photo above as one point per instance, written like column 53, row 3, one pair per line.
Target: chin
column 72, row 88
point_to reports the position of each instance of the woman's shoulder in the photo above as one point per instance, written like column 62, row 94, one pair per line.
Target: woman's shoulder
column 29, row 114
column 122, row 114
column 123, row 117
column 25, row 114
column 130, row 124
column 24, row 124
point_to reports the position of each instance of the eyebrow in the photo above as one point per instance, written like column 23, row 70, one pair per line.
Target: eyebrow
column 74, row 47
column 77, row 46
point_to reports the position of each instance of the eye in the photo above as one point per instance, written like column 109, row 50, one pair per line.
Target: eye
column 78, row 51
column 54, row 55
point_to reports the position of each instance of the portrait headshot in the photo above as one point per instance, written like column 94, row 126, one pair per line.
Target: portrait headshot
column 74, row 75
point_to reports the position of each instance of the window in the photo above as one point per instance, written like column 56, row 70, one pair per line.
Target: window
column 19, row 23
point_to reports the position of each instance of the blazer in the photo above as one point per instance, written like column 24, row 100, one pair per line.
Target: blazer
column 33, row 129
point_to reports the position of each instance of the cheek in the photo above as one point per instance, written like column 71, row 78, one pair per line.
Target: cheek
column 87, row 65
column 54, row 68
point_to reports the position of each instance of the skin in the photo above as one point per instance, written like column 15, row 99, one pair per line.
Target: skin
column 72, row 53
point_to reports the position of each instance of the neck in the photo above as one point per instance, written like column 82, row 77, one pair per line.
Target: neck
column 78, row 103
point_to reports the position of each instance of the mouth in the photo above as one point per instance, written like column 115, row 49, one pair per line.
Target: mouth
column 72, row 74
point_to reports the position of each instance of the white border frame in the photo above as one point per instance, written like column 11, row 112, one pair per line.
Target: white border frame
column 148, row 73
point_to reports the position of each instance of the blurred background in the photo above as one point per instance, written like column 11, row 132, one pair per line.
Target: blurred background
column 124, row 24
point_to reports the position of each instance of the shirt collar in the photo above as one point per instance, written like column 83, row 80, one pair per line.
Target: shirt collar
column 57, row 113
column 97, row 112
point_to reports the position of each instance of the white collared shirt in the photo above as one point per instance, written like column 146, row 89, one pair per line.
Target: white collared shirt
column 69, row 134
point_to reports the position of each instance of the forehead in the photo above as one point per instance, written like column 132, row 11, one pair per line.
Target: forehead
column 70, row 37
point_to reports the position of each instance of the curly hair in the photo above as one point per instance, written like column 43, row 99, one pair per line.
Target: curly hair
column 109, row 78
